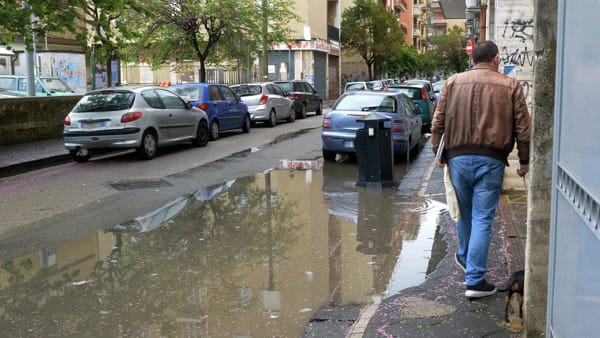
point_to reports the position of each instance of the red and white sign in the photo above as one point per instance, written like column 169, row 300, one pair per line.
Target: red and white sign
column 469, row 47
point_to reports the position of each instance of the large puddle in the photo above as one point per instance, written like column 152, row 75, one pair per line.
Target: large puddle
column 252, row 257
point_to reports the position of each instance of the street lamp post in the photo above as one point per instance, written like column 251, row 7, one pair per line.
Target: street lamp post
column 482, row 20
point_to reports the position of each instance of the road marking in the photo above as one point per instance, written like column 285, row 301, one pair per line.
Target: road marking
column 426, row 179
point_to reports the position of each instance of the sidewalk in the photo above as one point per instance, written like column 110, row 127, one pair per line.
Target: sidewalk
column 18, row 157
column 438, row 307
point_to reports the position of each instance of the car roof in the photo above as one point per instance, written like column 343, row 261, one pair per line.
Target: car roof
column 196, row 84
column 123, row 88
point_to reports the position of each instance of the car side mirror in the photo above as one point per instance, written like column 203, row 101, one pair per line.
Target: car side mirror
column 188, row 105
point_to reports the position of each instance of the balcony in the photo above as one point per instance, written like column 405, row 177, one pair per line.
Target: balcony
column 400, row 5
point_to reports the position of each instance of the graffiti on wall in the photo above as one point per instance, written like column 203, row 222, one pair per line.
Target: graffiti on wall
column 517, row 57
column 515, row 41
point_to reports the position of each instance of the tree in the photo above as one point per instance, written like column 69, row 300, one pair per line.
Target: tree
column 201, row 28
column 33, row 17
column 371, row 32
column 109, row 29
column 404, row 62
column 449, row 55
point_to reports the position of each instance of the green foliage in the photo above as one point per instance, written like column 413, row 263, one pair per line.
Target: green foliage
column 449, row 55
column 404, row 62
column 36, row 17
column 212, row 30
column 371, row 32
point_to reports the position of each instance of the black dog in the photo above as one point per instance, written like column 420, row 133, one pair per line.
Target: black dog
column 515, row 284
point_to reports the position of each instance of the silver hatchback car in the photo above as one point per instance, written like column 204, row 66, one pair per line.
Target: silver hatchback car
column 266, row 102
column 139, row 117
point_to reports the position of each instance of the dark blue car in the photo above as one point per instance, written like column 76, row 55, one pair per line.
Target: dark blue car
column 224, row 108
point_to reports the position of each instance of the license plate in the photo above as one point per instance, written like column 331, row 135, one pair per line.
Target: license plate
column 91, row 125
column 349, row 144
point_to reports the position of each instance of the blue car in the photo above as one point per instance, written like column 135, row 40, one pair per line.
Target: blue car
column 224, row 108
column 340, row 124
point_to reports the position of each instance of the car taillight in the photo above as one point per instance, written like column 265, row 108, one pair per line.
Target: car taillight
column 327, row 122
column 423, row 94
column 131, row 116
column 263, row 99
column 203, row 105
column 67, row 121
column 293, row 97
column 397, row 126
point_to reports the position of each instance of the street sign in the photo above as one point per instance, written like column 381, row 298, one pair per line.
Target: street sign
column 469, row 47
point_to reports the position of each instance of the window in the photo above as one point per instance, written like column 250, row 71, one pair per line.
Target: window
column 152, row 99
column 228, row 94
column 170, row 100
column 214, row 93
column 275, row 90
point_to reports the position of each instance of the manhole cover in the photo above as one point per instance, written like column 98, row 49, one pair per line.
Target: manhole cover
column 140, row 184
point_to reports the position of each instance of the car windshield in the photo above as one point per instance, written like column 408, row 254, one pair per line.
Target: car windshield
column 190, row 93
column 365, row 103
column 105, row 101
column 56, row 85
column 413, row 93
column 247, row 90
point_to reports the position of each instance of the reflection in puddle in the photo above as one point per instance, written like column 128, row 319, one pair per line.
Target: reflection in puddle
column 256, row 256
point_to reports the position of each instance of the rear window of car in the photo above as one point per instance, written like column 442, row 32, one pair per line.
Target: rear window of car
column 413, row 93
column 247, row 90
column 105, row 101
column 287, row 86
column 191, row 93
column 355, row 86
column 366, row 103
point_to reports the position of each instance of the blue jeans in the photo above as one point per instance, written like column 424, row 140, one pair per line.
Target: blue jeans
column 478, row 183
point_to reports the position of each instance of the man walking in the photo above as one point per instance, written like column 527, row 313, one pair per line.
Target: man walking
column 481, row 114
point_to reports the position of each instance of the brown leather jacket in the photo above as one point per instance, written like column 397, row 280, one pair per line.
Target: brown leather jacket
column 482, row 112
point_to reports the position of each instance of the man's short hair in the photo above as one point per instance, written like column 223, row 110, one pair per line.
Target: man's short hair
column 484, row 52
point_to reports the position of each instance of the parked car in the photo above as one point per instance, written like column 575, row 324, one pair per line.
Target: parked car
column 358, row 85
column 419, row 96
column 44, row 85
column 437, row 89
column 224, row 108
column 140, row 117
column 341, row 122
column 304, row 95
column 378, row 85
column 6, row 94
column 266, row 102
column 428, row 87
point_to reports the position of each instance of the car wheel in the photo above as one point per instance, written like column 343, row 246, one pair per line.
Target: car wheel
column 202, row 134
column 302, row 113
column 147, row 150
column 319, row 110
column 292, row 117
column 329, row 155
column 272, row 119
column 80, row 155
column 214, row 130
column 246, row 125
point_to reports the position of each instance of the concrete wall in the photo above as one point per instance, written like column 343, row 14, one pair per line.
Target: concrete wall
column 514, row 28
column 29, row 119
